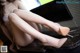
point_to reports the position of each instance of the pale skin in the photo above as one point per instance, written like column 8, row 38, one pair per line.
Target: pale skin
column 25, row 31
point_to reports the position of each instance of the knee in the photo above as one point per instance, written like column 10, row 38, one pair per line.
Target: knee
column 11, row 15
column 17, row 11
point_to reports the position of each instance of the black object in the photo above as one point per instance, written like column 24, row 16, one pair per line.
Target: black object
column 35, row 46
column 53, row 11
column 75, row 41
column 72, row 42
column 58, row 12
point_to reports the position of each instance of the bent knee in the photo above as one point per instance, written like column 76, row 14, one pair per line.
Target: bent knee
column 11, row 15
column 17, row 11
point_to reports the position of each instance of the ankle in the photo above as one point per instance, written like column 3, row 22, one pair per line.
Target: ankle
column 52, row 44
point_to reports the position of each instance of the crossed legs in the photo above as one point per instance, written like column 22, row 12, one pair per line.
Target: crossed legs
column 46, row 40
column 29, row 16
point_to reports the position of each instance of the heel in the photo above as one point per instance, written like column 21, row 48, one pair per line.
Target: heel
column 63, row 31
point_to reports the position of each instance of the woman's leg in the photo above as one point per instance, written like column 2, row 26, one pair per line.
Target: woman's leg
column 19, row 37
column 29, row 16
column 26, row 28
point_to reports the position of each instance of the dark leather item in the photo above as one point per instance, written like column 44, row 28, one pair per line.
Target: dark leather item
column 75, row 41
column 72, row 42
column 35, row 46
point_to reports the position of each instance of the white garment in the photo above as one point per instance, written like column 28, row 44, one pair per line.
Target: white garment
column 30, row 4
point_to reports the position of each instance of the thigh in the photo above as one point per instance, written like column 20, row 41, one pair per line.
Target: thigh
column 34, row 25
column 20, row 38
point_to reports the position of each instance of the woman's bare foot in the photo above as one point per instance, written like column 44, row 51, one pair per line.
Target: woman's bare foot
column 62, row 30
column 59, row 29
column 54, row 42
column 61, row 42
